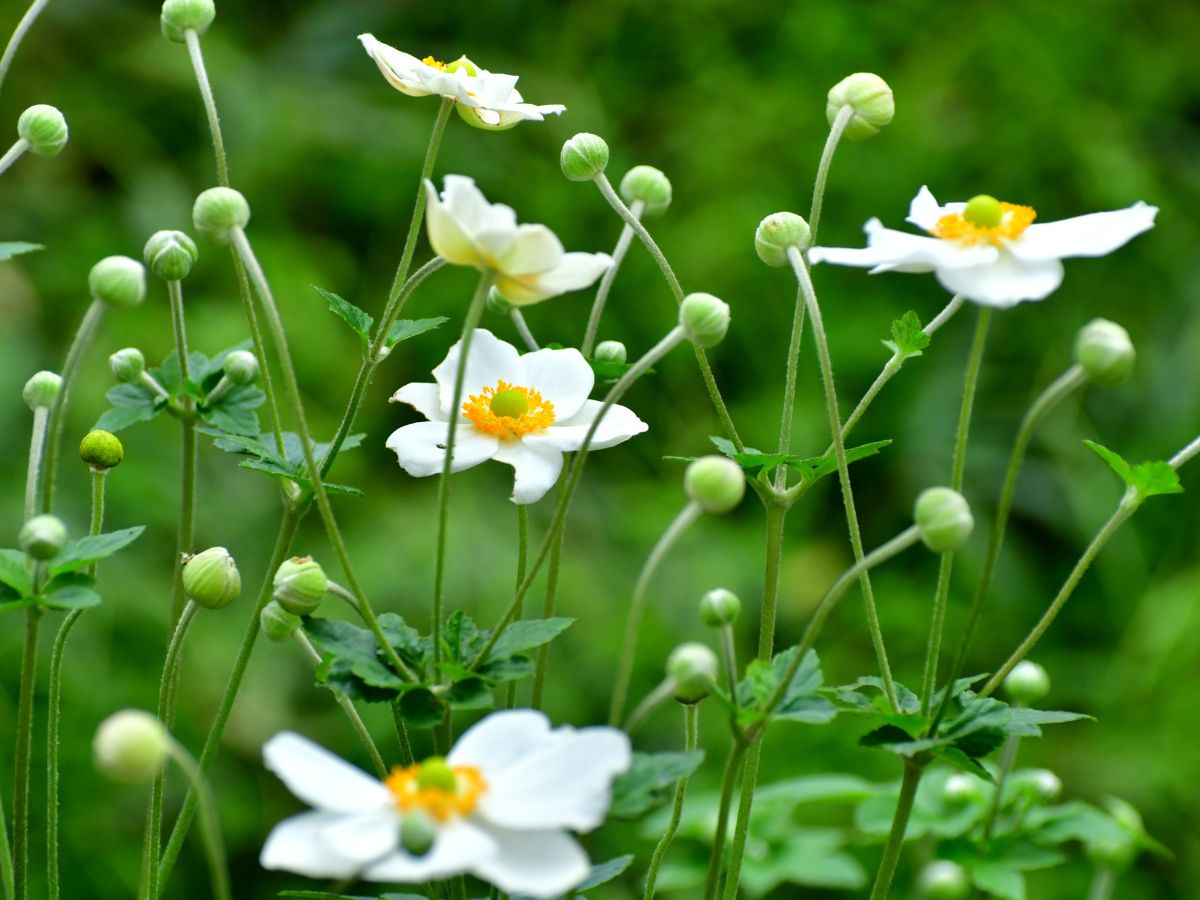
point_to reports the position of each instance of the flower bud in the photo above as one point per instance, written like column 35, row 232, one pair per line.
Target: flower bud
column 497, row 305
column 649, row 185
column 218, row 211
column 42, row 389
column 180, row 15
column 127, row 365
column 418, row 831
column 719, row 607
column 130, row 746
column 1027, row 682
column 704, row 319
column 778, row 233
column 241, row 367
column 693, row 669
column 870, row 98
column 944, row 880
column 944, row 519
column 170, row 255
column 118, row 282
column 43, row 537
column 715, row 483
column 211, row 578
column 584, row 157
column 44, row 129
column 610, row 352
column 1039, row 785
column 277, row 623
column 300, row 585
column 101, row 450
column 1116, row 852
column 961, row 789
column 1105, row 352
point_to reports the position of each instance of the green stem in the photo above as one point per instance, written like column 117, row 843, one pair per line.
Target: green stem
column 728, row 782
column 37, row 444
column 187, row 504
column 6, row 863
column 1103, row 884
column 664, row 692
column 260, row 350
column 1007, row 759
column 406, row 751
column 741, row 830
column 522, row 564
column 789, row 389
column 18, row 35
column 15, row 152
column 633, row 616
column 1187, row 453
column 606, row 282
column 845, row 114
column 210, row 829
column 891, row 851
column 210, row 106
column 729, row 661
column 24, row 755
column 691, row 731
column 519, row 323
column 220, row 390
column 549, row 604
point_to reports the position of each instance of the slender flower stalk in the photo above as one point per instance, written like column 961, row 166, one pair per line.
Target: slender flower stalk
column 1007, row 760
column 549, row 603
column 519, row 323
column 185, row 537
column 6, row 863
column 37, row 444
column 12, row 154
column 662, row 693
column 24, row 755
column 522, row 563
column 733, row 764
column 895, row 841
column 845, row 114
column 18, row 35
column 636, row 209
column 1103, row 884
column 210, row 828
column 691, row 731
column 260, row 350
column 210, row 105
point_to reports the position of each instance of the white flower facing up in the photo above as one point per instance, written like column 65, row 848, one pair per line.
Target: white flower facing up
column 525, row 411
column 500, row 806
column 490, row 97
column 988, row 251
column 527, row 261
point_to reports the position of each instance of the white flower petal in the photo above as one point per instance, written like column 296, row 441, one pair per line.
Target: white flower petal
column 561, row 376
column 457, row 848
column 489, row 360
column 888, row 250
column 421, row 447
column 467, row 204
column 363, row 838
column 398, row 67
column 423, row 397
column 1092, row 235
column 298, row 845
column 924, row 211
column 321, row 779
column 534, row 251
column 575, row 272
column 497, row 741
column 618, row 425
column 536, row 469
column 1006, row 282
column 447, row 235
column 539, row 864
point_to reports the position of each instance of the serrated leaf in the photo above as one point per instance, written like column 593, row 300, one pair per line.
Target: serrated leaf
column 82, row 553
column 421, row 709
column 650, row 781
column 600, row 874
column 908, row 338
column 356, row 648
column 403, row 329
column 131, row 403
column 1149, row 479
column 527, row 634
column 997, row 879
column 406, row 640
column 1026, row 722
column 9, row 249
column 801, row 702
column 470, row 693
column 359, row 320
column 234, row 411
column 817, row 467
column 14, row 571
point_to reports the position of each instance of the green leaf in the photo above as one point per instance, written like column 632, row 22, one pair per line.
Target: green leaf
column 908, row 339
column 421, row 709
column 650, row 782
column 817, row 467
column 358, row 319
column 527, row 634
column 601, row 874
column 403, row 329
column 406, row 640
column 71, row 596
column 357, row 649
column 801, row 702
column 1025, row 722
column 1149, row 479
column 82, row 553
column 233, row 412
column 462, row 638
column 997, row 879
column 470, row 693
column 9, row 249
column 14, row 571
column 132, row 403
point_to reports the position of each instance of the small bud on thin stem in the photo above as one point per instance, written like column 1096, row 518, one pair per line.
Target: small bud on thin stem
column 12, row 154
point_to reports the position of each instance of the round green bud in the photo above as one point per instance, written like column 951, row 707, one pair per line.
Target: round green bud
column 180, row 15
column 170, row 255
column 127, row 365
column 1027, row 682
column 218, row 211
column 778, row 233
column 704, row 319
column 1105, row 352
column 610, row 352
column 944, row 880
column 650, row 186
column 692, row 668
column 715, row 483
column 300, row 585
column 944, row 519
column 1126, row 816
column 961, row 789
column 42, row 389
column 984, row 210
column 43, row 537
column 211, row 578
column 584, row 157
column 719, row 607
column 44, row 129
column 130, row 746
column 118, row 282
column 870, row 98
column 277, row 623
column 1116, row 852
column 241, row 367
column 497, row 305
column 1039, row 785
column 418, row 831
column 435, row 774
column 101, row 450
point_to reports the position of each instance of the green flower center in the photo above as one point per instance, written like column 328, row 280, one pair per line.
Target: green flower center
column 984, row 211
column 435, row 774
column 512, row 404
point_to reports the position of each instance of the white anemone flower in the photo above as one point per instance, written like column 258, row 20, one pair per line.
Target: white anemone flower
column 988, row 251
column 525, row 411
column 500, row 806
column 490, row 99
column 527, row 262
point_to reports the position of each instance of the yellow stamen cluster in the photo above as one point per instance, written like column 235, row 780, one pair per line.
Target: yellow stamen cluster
column 434, row 63
column 443, row 802
column 491, row 411
column 1014, row 220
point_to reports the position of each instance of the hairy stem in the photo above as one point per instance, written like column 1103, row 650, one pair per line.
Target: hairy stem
column 716, row 858
column 18, row 35
column 522, row 563
column 37, row 444
column 185, row 536
column 691, row 731
column 891, row 851
column 606, row 282
column 210, row 105
column 210, row 828
column 845, row 114
column 24, row 755
column 12, row 154
column 519, row 323
column 549, row 603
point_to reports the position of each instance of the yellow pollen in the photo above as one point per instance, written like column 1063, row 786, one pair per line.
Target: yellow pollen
column 443, row 805
column 1014, row 220
column 485, row 411
column 434, row 63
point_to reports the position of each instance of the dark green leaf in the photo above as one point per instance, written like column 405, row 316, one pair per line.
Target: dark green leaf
column 470, row 693
column 14, row 571
column 801, row 702
column 650, row 782
column 601, row 874
column 132, row 403
column 514, row 668
column 9, row 249
column 355, row 647
column 233, row 412
column 71, row 596
column 406, row 640
column 908, row 339
column 1025, row 722
column 82, row 553
column 527, row 634
column 819, row 466
column 421, row 709
column 403, row 329
column 358, row 319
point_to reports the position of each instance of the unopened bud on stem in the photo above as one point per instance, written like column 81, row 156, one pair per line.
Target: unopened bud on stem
column 871, row 100
column 610, row 352
column 692, row 668
column 715, row 483
column 778, row 233
column 130, row 746
column 42, row 390
column 704, row 319
column 1105, row 352
column 218, row 212
column 170, row 255
column 118, row 282
column 300, row 585
column 180, row 15
column 719, row 607
column 211, row 578
column 1027, row 683
column 648, row 185
column 944, row 519
column 101, row 450
column 44, row 129
column 43, row 537
column 584, row 157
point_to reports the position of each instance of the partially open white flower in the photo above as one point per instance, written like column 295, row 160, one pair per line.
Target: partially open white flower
column 527, row 261
column 988, row 251
column 490, row 97
column 500, row 806
column 525, row 411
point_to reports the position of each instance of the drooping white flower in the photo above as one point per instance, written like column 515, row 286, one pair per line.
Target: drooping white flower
column 988, row 251
column 525, row 411
column 489, row 98
column 500, row 806
column 527, row 261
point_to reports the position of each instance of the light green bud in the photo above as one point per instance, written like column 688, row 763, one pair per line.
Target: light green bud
column 584, row 157
column 127, row 365
column 704, row 318
column 944, row 519
column 418, row 831
column 692, row 667
column 610, row 352
column 300, row 585
column 649, row 185
column 42, row 389
column 180, row 15
column 277, row 623
column 1039, row 785
column 1116, row 852
column 1027, row 682
column 497, row 305
column 130, row 746
column 211, row 578
column 870, row 98
column 715, row 483
column 101, row 450
column 778, row 233
column 1125, row 815
column 961, row 789
column 719, row 607
column 1105, row 352
column 944, row 880
column 241, row 367
column 43, row 537
column 218, row 211
column 118, row 282
column 44, row 128
column 170, row 255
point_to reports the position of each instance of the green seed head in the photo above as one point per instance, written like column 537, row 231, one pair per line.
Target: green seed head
column 692, row 668
column 983, row 210
column 42, row 389
column 130, row 746
column 180, row 15
column 44, row 128
column 715, row 483
column 509, row 403
column 436, row 775
column 300, row 585
column 101, row 450
column 211, row 578
column 649, row 185
column 170, row 255
column 218, row 211
column 118, row 282
column 43, row 537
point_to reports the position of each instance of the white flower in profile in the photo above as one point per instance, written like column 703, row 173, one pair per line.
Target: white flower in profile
column 988, row 251
column 489, row 99
column 525, row 411
column 500, row 806
column 527, row 261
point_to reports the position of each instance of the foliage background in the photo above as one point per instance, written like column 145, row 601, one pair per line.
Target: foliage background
column 1071, row 107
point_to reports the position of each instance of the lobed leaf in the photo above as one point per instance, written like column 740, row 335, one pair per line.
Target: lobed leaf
column 87, row 550
column 650, row 782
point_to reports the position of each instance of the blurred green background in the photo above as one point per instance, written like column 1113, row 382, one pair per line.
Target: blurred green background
column 1069, row 107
